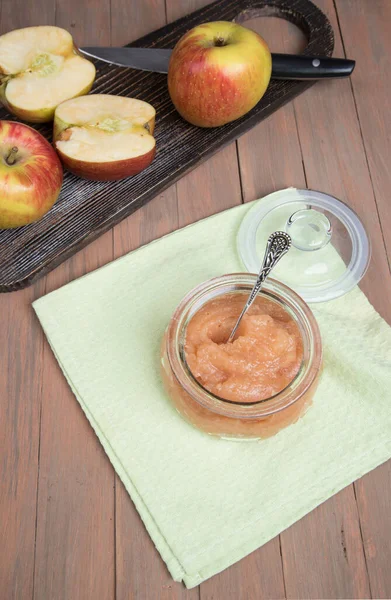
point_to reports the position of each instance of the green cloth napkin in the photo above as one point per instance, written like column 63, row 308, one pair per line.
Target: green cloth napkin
column 207, row 502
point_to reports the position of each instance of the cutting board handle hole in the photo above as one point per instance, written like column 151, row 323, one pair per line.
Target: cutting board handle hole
column 284, row 30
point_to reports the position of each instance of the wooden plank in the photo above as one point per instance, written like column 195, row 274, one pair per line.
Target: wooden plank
column 18, row 13
column 177, row 9
column 269, row 154
column 141, row 573
column 75, row 554
column 369, row 22
column 21, row 351
column 260, row 575
column 134, row 18
column 209, row 189
column 257, row 576
column 136, row 555
column 374, row 501
column 323, row 553
column 335, row 162
column 328, row 541
column 87, row 21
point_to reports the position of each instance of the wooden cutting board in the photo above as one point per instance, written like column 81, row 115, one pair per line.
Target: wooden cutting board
column 86, row 209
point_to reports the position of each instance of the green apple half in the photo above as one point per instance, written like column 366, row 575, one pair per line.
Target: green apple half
column 104, row 137
column 39, row 68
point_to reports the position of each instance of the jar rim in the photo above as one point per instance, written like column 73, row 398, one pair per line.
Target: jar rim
column 273, row 290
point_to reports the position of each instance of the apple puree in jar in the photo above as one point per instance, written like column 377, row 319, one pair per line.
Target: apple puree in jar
column 263, row 359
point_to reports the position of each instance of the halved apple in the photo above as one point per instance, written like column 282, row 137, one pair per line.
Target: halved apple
column 39, row 68
column 104, row 137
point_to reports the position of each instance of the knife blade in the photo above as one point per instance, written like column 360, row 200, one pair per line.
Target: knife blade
column 284, row 66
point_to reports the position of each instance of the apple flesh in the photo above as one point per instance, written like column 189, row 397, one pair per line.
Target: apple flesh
column 30, row 175
column 218, row 72
column 39, row 68
column 104, row 137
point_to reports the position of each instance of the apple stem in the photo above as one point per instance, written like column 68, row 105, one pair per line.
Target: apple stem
column 220, row 42
column 11, row 158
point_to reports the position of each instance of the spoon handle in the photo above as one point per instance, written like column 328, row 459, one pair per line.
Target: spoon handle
column 277, row 245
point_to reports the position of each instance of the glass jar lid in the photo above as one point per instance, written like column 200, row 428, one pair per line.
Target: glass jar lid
column 330, row 249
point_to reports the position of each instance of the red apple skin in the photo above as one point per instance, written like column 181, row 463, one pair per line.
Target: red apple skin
column 30, row 186
column 212, row 85
column 110, row 171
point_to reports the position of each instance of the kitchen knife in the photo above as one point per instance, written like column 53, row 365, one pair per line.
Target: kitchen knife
column 284, row 66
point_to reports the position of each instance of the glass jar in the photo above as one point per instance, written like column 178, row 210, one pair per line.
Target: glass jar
column 225, row 418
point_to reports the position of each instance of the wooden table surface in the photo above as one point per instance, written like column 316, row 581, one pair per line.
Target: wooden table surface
column 68, row 529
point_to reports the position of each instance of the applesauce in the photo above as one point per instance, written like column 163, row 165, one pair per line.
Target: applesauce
column 261, row 361
column 255, row 386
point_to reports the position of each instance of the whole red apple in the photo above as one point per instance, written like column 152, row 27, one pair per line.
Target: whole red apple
column 218, row 72
column 30, row 175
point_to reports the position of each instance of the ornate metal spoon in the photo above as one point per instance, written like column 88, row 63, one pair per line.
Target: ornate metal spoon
column 277, row 245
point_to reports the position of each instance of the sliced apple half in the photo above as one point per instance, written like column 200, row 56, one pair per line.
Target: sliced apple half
column 104, row 137
column 39, row 68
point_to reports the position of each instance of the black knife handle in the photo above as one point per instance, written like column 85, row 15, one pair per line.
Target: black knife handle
column 289, row 66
